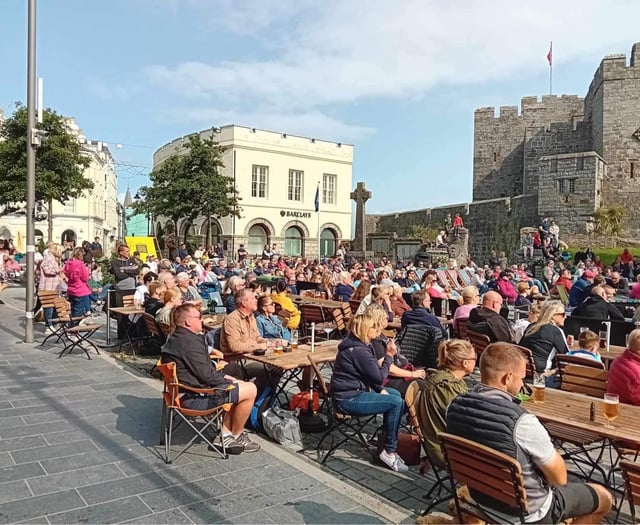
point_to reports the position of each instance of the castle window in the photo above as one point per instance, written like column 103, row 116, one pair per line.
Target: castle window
column 580, row 163
column 562, row 185
column 554, row 166
column 495, row 157
column 572, row 185
column 631, row 169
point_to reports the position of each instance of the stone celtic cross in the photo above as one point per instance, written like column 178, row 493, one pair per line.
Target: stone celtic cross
column 361, row 195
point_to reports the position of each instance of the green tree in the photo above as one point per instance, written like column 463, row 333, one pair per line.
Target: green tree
column 189, row 184
column 60, row 163
column 608, row 221
column 426, row 234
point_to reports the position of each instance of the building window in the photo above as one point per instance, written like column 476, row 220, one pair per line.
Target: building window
column 554, row 166
column 567, row 185
column 572, row 185
column 329, row 189
column 293, row 241
column 580, row 163
column 70, row 206
column 259, row 181
column 631, row 170
column 295, row 185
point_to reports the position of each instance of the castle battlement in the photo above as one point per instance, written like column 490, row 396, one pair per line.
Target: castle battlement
column 616, row 67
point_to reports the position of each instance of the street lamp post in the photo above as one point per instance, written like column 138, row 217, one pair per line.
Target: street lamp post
column 32, row 141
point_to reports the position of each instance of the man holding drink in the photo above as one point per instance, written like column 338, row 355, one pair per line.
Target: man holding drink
column 491, row 415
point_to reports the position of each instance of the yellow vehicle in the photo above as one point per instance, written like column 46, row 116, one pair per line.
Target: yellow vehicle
column 145, row 246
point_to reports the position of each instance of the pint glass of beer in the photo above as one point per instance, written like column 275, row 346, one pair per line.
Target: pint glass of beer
column 611, row 408
column 539, row 387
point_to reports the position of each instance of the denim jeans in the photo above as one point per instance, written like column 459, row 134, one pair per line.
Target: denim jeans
column 80, row 305
column 391, row 407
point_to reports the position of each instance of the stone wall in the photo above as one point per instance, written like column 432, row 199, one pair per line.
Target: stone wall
column 569, row 190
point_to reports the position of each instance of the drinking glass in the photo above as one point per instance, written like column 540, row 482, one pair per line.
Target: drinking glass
column 539, row 387
column 611, row 408
column 328, row 328
column 294, row 339
column 602, row 334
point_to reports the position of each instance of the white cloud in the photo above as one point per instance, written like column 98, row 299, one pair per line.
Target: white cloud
column 340, row 52
column 109, row 91
column 312, row 123
column 324, row 55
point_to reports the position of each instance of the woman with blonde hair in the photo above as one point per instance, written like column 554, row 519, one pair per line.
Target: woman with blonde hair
column 358, row 381
column 172, row 298
column 50, row 277
column 545, row 338
column 470, row 300
column 400, row 372
column 344, row 290
column 456, row 360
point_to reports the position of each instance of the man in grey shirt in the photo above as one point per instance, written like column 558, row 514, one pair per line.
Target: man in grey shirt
column 490, row 414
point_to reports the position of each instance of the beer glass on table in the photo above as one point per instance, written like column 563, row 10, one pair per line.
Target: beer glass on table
column 602, row 335
column 611, row 408
column 294, row 339
column 539, row 386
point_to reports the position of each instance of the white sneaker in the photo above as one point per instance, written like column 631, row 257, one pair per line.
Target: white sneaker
column 393, row 461
column 48, row 330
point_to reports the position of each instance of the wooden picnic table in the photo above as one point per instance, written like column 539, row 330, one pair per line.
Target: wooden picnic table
column 572, row 410
column 325, row 352
column 126, row 310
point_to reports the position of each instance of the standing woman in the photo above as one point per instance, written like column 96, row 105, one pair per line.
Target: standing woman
column 78, row 289
column 357, row 384
column 50, row 278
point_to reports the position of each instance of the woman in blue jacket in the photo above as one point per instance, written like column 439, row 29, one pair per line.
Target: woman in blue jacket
column 269, row 324
column 357, row 384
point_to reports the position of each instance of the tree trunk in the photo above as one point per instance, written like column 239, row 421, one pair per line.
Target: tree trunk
column 50, row 220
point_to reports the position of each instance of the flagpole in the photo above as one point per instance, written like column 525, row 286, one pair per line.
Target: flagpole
column 318, row 209
column 551, row 68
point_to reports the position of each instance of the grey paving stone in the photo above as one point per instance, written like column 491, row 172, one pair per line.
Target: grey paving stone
column 53, row 451
column 33, row 507
column 290, row 489
column 359, row 515
column 21, row 443
column 253, row 517
column 196, row 470
column 31, row 430
column 5, row 459
column 14, row 490
column 112, row 512
column 5, row 404
column 314, row 512
column 27, row 402
column 75, row 479
column 167, row 517
column 375, row 485
column 227, row 507
column 54, row 415
column 133, row 467
column 334, row 499
column 114, row 386
column 38, row 409
column 100, row 457
column 179, row 495
column 64, row 437
column 24, row 471
column 120, row 488
column 258, row 475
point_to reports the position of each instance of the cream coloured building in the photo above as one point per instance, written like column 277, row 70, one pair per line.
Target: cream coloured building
column 96, row 213
column 276, row 176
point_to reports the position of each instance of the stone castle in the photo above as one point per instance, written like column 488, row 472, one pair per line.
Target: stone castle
column 562, row 157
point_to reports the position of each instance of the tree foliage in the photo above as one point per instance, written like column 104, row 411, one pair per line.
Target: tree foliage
column 608, row 221
column 426, row 234
column 60, row 162
column 189, row 184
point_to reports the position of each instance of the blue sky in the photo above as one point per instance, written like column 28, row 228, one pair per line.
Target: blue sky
column 399, row 80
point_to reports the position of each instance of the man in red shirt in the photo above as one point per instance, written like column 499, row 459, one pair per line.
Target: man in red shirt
column 457, row 224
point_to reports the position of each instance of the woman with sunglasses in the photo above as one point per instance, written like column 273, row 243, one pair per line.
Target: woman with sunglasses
column 545, row 339
column 269, row 324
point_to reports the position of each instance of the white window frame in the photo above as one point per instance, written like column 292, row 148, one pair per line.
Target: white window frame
column 259, row 181
column 329, row 184
column 296, row 185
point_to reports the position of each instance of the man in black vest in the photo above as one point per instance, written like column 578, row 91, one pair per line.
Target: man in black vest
column 492, row 416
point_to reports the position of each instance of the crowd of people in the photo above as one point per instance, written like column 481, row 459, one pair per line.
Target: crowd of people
column 372, row 370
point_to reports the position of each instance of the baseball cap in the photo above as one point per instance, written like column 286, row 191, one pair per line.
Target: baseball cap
column 588, row 274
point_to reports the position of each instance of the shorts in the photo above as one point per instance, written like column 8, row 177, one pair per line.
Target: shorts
column 569, row 501
column 206, row 402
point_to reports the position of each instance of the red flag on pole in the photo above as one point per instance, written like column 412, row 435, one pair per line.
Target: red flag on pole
column 550, row 54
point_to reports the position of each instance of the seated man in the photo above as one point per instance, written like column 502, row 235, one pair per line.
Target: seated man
column 187, row 349
column 486, row 319
column 596, row 306
column 239, row 335
column 624, row 374
column 492, row 416
column 619, row 284
column 420, row 314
